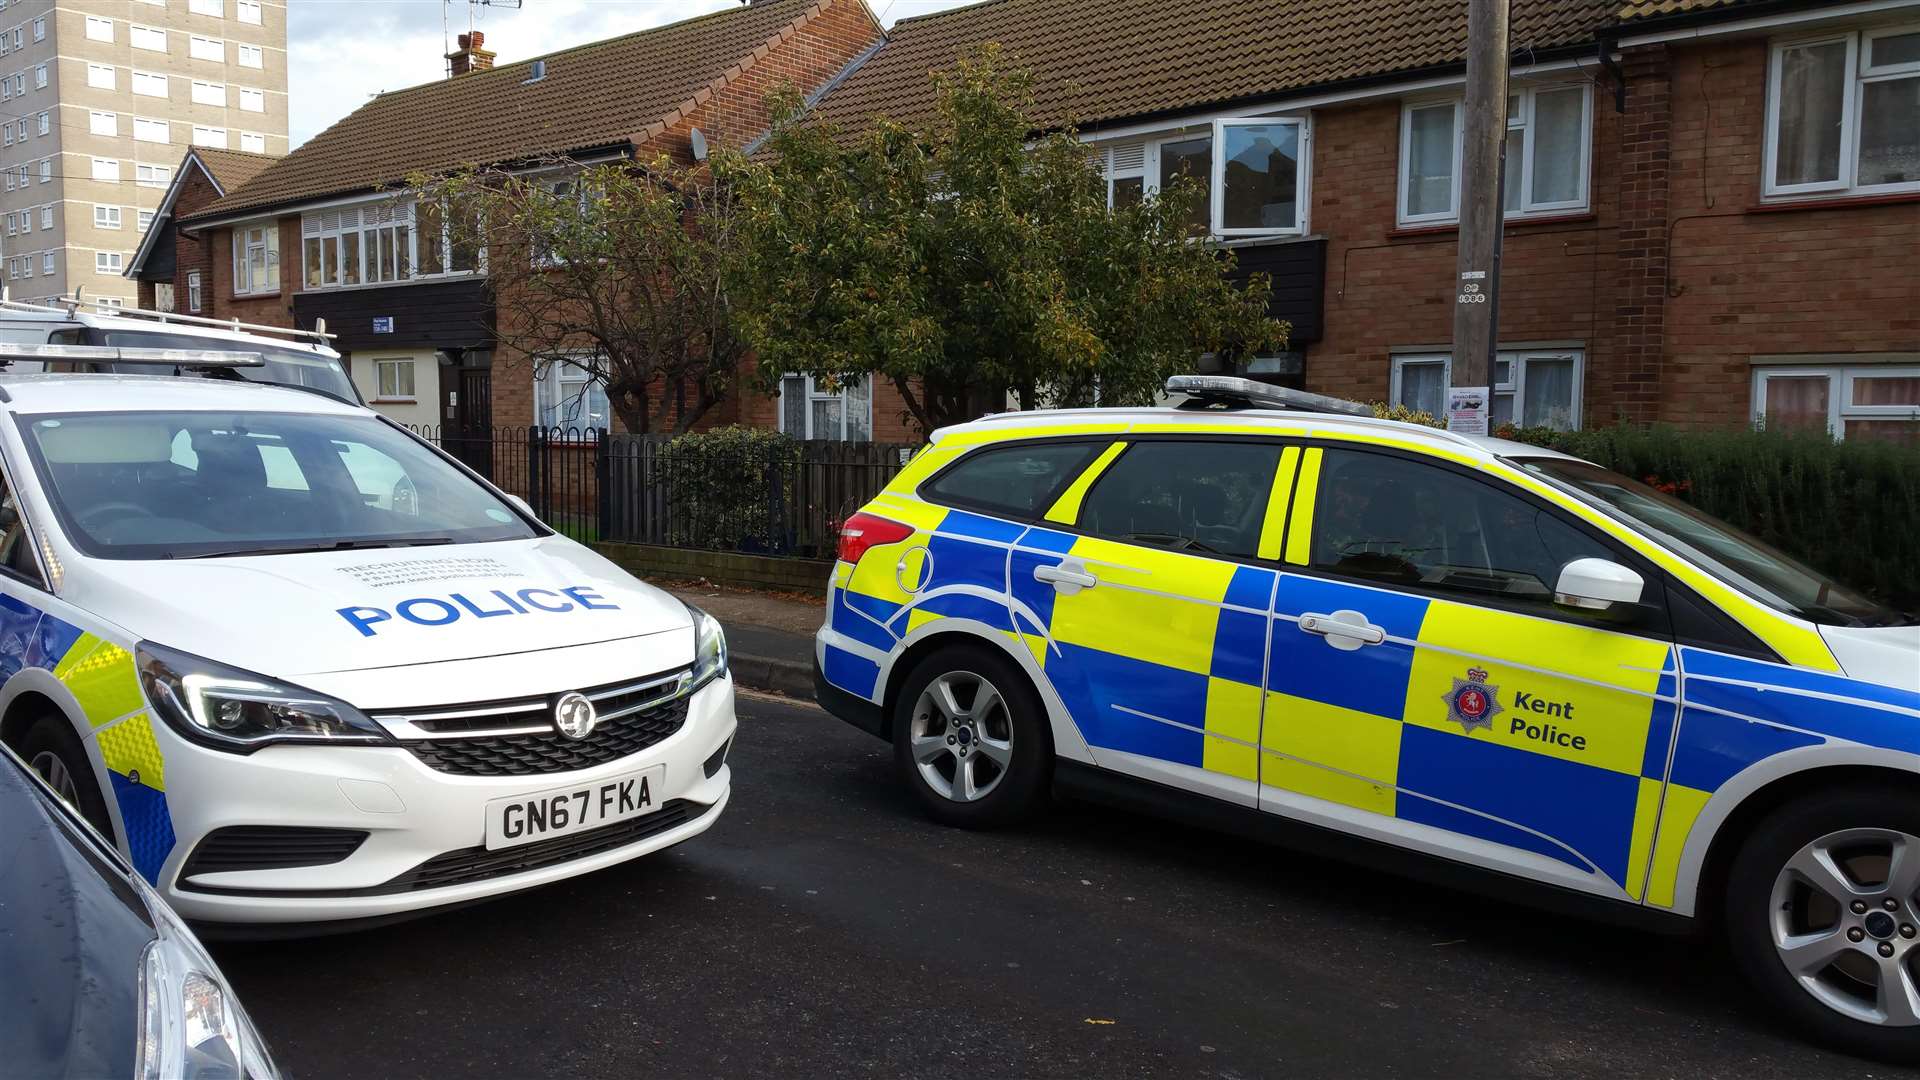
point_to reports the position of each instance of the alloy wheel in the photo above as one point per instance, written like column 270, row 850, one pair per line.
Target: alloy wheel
column 961, row 736
column 1846, row 924
column 54, row 772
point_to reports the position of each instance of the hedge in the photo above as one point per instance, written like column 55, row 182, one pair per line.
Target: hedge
column 1850, row 509
column 726, row 488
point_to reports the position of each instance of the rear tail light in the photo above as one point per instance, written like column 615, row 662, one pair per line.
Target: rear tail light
column 862, row 531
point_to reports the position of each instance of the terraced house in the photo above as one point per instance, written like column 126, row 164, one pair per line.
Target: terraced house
column 321, row 234
column 1712, row 206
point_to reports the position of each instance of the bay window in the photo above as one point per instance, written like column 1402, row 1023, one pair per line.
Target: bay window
column 1843, row 114
column 1549, row 131
column 256, row 258
column 1531, row 387
column 813, row 408
column 383, row 242
column 1863, row 401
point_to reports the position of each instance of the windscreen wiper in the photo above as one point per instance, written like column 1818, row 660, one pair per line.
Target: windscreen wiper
column 337, row 545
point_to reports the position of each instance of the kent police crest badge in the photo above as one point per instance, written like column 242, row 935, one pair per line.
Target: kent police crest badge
column 1472, row 703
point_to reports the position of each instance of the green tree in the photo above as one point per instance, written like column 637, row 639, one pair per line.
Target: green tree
column 971, row 259
column 613, row 268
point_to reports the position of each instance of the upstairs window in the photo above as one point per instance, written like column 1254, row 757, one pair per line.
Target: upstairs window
column 99, row 29
column 206, row 48
column 147, row 37
column 100, row 77
column 106, row 262
column 256, row 258
column 253, row 143
column 250, row 56
column 154, row 131
column 247, row 11
column 1257, row 178
column 1549, row 132
column 144, row 82
column 106, row 217
column 106, row 169
column 210, row 136
column 206, row 93
column 1126, row 175
column 152, row 175
column 215, row 8
column 253, row 100
column 1843, row 114
column 103, row 123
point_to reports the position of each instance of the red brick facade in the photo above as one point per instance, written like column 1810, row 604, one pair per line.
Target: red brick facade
column 1676, row 277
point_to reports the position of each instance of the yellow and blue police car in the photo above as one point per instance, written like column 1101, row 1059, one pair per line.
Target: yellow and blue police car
column 1485, row 659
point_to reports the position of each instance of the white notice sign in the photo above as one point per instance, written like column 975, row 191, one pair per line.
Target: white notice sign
column 1467, row 409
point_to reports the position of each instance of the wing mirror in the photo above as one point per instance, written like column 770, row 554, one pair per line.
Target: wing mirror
column 521, row 505
column 1597, row 585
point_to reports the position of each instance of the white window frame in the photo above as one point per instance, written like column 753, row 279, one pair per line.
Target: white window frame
column 157, row 175
column 147, row 38
column 100, row 165
column 143, row 219
column 1520, row 172
column 46, row 219
column 1852, row 113
column 196, row 44
column 263, row 237
column 1120, row 166
column 46, row 124
column 258, row 97
column 108, row 262
column 1840, row 380
column 362, row 220
column 194, row 292
column 247, row 11
column 136, row 78
column 381, row 364
column 194, row 94
column 40, row 76
column 242, row 51
column 204, row 135
column 1303, row 134
column 99, row 23
column 97, row 119
column 46, row 170
column 96, row 70
column 815, row 393
column 213, row 9
column 150, row 126
column 106, row 217
column 549, row 390
column 46, row 263
column 1516, row 384
column 40, row 28
column 254, row 137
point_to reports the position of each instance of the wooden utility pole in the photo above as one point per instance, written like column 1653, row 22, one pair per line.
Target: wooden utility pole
column 1477, row 288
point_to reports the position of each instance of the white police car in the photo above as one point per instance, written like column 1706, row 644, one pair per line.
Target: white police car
column 293, row 692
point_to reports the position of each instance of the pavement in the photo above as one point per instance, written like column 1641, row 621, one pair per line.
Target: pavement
column 769, row 636
column 824, row 927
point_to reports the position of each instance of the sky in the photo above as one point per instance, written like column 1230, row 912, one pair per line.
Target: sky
column 341, row 52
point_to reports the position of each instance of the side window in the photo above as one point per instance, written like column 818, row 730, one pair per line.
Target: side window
column 16, row 549
column 1403, row 522
column 1208, row 497
column 379, row 479
column 1013, row 481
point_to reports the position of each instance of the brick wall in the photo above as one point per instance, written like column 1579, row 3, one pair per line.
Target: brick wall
column 191, row 252
column 269, row 309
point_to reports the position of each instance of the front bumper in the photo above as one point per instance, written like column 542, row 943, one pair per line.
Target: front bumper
column 425, row 829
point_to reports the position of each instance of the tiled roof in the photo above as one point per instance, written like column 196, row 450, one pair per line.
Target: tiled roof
column 231, row 169
column 1653, row 9
column 602, row 94
column 1104, row 60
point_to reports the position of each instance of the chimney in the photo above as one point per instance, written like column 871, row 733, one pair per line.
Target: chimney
column 470, row 56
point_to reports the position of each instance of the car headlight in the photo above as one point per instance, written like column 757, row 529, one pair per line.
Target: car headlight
column 709, row 649
column 191, row 1025
column 237, row 710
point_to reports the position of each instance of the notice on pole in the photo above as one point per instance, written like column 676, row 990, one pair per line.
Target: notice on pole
column 1467, row 409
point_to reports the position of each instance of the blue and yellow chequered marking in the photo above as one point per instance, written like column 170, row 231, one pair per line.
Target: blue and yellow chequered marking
column 100, row 675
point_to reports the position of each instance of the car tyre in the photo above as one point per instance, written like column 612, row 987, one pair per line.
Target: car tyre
column 971, row 738
column 54, row 753
column 1822, row 917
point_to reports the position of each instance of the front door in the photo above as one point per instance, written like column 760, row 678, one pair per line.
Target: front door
column 1424, row 686
column 1158, row 625
column 467, row 432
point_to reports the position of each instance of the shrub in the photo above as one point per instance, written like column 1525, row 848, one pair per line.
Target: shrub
column 728, row 489
column 1850, row 509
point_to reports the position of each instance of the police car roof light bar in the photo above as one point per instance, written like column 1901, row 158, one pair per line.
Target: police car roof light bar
column 109, row 354
column 1209, row 391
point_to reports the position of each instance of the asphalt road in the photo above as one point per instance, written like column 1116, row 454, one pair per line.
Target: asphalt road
column 825, row 928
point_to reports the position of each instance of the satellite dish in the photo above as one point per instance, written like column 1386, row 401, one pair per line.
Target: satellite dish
column 699, row 142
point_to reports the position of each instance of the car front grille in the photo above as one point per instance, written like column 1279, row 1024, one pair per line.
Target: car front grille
column 518, row 738
column 270, row 847
column 473, row 864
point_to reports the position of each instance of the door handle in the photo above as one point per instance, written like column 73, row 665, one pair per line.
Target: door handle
column 1344, row 629
column 1067, row 578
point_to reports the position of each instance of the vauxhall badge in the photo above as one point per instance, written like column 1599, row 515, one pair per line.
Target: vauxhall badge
column 1472, row 703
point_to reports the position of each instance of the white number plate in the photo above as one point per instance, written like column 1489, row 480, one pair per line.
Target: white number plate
column 522, row 819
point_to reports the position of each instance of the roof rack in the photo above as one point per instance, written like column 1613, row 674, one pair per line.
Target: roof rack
column 71, row 305
column 1228, row 392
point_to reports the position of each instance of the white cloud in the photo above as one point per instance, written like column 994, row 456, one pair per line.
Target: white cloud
column 341, row 52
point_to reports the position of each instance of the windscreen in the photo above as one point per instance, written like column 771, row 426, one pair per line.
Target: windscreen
column 1744, row 562
column 156, row 485
column 285, row 367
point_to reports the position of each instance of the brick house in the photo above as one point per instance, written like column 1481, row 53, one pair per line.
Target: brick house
column 173, row 272
column 1713, row 205
column 323, row 234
